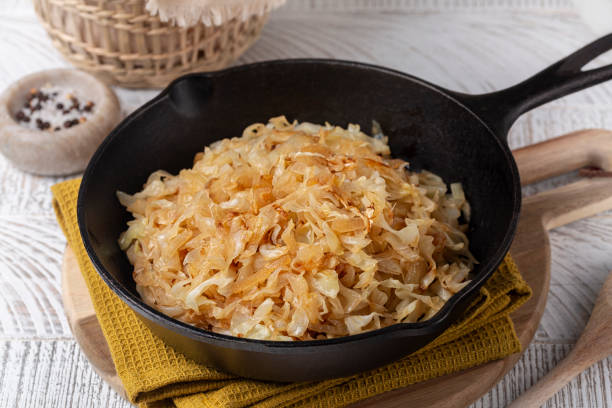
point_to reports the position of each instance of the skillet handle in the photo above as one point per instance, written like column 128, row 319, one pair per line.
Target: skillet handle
column 499, row 110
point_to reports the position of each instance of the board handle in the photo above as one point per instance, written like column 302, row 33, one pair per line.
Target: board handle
column 584, row 198
column 572, row 202
column 592, row 147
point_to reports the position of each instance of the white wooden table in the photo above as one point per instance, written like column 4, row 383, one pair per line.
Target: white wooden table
column 468, row 45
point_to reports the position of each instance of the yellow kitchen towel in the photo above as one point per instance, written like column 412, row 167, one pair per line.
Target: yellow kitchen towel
column 156, row 376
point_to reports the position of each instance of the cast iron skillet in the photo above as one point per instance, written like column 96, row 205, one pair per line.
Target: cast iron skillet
column 460, row 137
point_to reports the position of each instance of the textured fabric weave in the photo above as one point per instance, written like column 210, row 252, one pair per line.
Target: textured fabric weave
column 156, row 376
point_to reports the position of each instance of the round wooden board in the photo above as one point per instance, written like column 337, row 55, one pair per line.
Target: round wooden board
column 530, row 250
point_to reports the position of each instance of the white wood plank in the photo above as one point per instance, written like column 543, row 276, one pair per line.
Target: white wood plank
column 22, row 193
column 420, row 6
column 50, row 374
column 462, row 50
column 30, row 254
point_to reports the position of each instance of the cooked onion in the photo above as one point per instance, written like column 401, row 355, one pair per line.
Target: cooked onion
column 297, row 232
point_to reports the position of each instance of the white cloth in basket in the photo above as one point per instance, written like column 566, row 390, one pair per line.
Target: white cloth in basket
column 186, row 13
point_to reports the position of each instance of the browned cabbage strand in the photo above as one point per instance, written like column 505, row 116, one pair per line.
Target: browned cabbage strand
column 297, row 232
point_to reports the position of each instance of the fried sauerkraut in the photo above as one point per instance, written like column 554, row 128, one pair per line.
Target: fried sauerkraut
column 297, row 232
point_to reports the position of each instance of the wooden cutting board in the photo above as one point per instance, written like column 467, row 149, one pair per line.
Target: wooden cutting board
column 530, row 249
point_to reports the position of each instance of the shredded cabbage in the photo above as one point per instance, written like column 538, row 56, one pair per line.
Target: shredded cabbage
column 297, row 231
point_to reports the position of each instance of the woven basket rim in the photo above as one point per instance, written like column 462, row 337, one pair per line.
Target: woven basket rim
column 128, row 47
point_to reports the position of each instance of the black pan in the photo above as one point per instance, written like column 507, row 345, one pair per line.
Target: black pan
column 460, row 137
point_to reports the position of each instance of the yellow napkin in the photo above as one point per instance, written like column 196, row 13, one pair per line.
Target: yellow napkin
column 156, row 376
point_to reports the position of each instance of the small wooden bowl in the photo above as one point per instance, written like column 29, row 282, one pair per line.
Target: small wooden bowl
column 65, row 151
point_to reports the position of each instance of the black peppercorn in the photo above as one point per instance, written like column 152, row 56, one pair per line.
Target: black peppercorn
column 49, row 106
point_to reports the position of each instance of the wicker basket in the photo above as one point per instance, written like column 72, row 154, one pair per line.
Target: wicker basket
column 118, row 41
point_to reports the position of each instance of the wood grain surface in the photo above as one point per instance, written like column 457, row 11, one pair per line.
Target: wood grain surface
column 594, row 344
column 470, row 45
